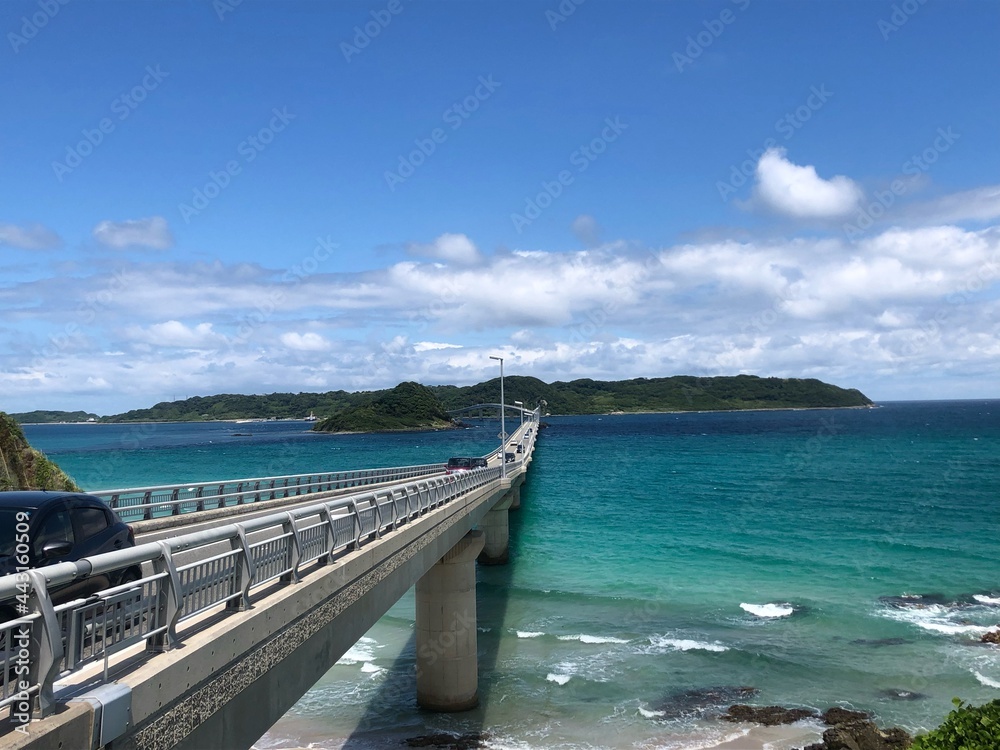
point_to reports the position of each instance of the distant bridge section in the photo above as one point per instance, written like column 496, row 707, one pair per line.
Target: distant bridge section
column 482, row 409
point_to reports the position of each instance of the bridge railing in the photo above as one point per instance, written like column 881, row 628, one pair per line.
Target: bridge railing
column 144, row 503
column 61, row 639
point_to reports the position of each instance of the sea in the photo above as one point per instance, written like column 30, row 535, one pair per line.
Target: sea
column 662, row 567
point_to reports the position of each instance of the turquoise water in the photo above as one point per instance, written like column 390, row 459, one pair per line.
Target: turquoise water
column 657, row 556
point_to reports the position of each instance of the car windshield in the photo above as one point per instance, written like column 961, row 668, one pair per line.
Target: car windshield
column 8, row 530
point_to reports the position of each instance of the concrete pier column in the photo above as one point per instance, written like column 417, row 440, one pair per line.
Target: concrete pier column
column 515, row 502
column 496, row 528
column 447, row 666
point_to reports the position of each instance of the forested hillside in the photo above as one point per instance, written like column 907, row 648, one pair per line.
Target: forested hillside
column 408, row 406
column 677, row 393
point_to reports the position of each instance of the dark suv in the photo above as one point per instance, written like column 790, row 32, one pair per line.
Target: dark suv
column 62, row 527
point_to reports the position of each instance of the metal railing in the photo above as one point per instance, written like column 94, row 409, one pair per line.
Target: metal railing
column 61, row 639
column 144, row 503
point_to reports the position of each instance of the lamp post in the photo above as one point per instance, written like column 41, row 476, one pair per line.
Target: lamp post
column 520, row 404
column 503, row 425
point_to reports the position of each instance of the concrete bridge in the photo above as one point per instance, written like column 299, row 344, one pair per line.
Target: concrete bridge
column 249, row 594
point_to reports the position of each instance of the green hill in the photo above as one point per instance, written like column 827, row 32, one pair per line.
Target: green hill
column 43, row 417
column 408, row 406
column 677, row 393
column 585, row 396
column 24, row 468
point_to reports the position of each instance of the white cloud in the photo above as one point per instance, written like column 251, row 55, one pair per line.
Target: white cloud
column 304, row 342
column 30, row 237
column 905, row 304
column 152, row 232
column 457, row 248
column 429, row 346
column 587, row 230
column 799, row 192
column 980, row 204
column 174, row 334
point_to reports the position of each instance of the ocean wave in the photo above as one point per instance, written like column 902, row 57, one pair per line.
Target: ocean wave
column 370, row 668
column 529, row 633
column 684, row 644
column 986, row 680
column 649, row 714
column 583, row 638
column 768, row 610
column 943, row 619
column 362, row 651
column 559, row 679
column 989, row 600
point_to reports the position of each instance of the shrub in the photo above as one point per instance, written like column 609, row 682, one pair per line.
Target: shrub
column 965, row 728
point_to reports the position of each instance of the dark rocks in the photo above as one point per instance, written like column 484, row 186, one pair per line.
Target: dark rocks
column 769, row 716
column 991, row 637
column 878, row 642
column 862, row 735
column 837, row 715
column 468, row 741
column 854, row 730
column 700, row 701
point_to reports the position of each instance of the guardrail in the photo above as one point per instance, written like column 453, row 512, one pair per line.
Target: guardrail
column 144, row 503
column 61, row 639
column 52, row 641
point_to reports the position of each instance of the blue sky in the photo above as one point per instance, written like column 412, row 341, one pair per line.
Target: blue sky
column 263, row 196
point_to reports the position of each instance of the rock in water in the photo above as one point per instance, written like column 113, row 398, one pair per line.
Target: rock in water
column 992, row 636
column 469, row 741
column 769, row 716
column 24, row 468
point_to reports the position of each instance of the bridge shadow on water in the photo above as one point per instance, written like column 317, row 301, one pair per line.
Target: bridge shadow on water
column 392, row 715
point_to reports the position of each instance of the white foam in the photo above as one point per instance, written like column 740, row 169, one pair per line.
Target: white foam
column 370, row 668
column 651, row 714
column 950, row 629
column 983, row 599
column 559, row 679
column 768, row 610
column 583, row 638
column 935, row 618
column 684, row 644
column 986, row 680
column 362, row 651
column 529, row 634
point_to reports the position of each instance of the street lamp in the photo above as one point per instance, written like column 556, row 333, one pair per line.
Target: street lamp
column 503, row 425
column 520, row 404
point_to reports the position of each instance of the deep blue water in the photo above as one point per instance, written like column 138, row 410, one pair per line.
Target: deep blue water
column 658, row 554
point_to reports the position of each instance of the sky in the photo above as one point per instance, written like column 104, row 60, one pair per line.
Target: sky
column 266, row 196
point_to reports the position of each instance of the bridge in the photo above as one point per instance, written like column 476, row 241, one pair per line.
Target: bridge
column 250, row 591
column 482, row 409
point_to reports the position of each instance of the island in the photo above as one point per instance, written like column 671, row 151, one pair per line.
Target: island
column 408, row 406
column 382, row 410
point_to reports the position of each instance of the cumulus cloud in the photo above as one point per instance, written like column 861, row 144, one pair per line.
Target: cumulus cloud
column 799, row 192
column 174, row 334
column 305, row 342
column 457, row 248
column 30, row 237
column 899, row 304
column 586, row 229
column 151, row 232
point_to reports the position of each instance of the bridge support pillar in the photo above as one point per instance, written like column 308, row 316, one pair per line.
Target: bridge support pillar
column 496, row 529
column 515, row 503
column 447, row 666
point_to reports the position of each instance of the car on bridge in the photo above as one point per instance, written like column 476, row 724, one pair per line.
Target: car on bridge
column 464, row 463
column 39, row 528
